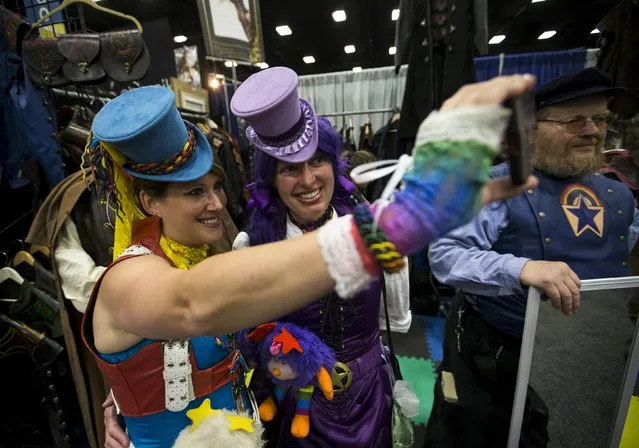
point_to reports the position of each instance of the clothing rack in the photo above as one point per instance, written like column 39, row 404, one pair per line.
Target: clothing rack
column 16, row 221
column 358, row 112
column 75, row 95
column 194, row 116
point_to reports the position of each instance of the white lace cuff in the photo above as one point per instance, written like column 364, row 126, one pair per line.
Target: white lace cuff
column 484, row 124
column 342, row 257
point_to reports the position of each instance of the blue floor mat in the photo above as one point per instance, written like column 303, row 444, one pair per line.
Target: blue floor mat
column 434, row 329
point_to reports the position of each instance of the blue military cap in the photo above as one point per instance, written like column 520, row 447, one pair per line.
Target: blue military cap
column 590, row 81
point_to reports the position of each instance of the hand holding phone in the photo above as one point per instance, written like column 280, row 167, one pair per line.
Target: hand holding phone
column 520, row 136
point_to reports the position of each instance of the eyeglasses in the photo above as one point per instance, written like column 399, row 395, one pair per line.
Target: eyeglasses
column 576, row 124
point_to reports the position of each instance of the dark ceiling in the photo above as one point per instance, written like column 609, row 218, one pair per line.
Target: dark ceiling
column 369, row 27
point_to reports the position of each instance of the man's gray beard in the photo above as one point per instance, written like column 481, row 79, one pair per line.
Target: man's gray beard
column 566, row 167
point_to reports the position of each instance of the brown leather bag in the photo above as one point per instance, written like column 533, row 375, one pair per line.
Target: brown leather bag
column 87, row 57
column 12, row 25
column 124, row 55
column 44, row 62
column 81, row 52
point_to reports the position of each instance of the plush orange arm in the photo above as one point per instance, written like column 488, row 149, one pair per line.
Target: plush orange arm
column 325, row 383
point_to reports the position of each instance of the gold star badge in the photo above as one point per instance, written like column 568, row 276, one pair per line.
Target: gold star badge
column 341, row 377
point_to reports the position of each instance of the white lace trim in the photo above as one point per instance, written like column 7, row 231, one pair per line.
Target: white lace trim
column 342, row 257
column 136, row 250
column 484, row 124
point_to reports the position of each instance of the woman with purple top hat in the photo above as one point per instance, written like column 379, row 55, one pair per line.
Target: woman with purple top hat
column 161, row 319
column 298, row 186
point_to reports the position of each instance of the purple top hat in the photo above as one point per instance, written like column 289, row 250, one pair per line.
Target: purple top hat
column 280, row 123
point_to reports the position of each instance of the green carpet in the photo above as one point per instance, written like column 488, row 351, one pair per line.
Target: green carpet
column 421, row 374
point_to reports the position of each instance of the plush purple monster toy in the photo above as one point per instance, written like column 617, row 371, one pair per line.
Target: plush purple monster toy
column 294, row 359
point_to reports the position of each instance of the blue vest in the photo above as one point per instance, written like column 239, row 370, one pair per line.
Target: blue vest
column 582, row 222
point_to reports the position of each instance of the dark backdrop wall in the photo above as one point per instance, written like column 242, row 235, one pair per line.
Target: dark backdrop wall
column 159, row 40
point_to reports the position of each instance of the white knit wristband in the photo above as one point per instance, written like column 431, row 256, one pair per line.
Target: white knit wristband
column 340, row 253
column 484, row 124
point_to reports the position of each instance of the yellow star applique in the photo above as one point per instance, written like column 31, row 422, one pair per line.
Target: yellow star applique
column 236, row 422
column 584, row 215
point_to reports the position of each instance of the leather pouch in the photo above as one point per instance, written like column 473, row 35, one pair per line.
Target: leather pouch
column 44, row 61
column 81, row 52
column 124, row 55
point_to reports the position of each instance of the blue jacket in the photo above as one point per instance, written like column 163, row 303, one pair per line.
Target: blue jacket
column 590, row 223
column 28, row 125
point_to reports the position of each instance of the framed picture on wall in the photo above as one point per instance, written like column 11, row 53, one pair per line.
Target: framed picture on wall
column 187, row 65
column 189, row 97
column 232, row 29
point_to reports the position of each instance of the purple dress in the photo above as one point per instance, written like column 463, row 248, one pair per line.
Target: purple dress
column 359, row 417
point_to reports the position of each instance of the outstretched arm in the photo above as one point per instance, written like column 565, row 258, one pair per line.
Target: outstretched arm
column 241, row 289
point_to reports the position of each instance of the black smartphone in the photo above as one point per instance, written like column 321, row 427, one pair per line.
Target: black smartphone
column 520, row 136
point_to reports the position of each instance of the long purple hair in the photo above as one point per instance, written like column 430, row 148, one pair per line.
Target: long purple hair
column 267, row 221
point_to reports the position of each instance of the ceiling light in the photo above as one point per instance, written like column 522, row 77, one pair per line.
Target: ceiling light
column 309, row 59
column 283, row 30
column 179, row 39
column 537, row 1
column 357, row 69
column 392, row 50
column 499, row 38
column 230, row 64
column 339, row 16
column 262, row 65
column 595, row 31
column 214, row 83
column 348, row 49
column 395, row 14
column 547, row 35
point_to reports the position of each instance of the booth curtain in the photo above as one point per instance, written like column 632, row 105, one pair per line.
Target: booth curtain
column 367, row 90
column 380, row 88
column 545, row 66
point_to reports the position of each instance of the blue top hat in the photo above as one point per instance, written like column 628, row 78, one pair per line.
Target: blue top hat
column 145, row 126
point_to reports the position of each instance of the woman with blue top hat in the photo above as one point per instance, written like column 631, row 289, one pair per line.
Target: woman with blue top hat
column 159, row 317
column 169, row 207
column 298, row 186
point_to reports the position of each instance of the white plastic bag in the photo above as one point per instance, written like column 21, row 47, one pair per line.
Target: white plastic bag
column 406, row 398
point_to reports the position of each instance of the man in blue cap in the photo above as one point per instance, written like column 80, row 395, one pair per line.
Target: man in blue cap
column 576, row 225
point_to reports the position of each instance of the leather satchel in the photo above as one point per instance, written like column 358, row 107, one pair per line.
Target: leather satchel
column 44, row 62
column 124, row 55
column 81, row 52
column 12, row 25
